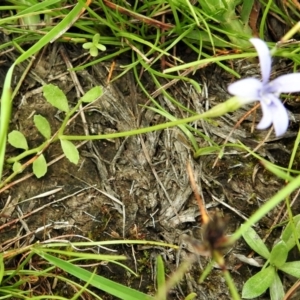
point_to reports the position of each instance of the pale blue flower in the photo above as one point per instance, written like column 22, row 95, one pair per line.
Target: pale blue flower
column 267, row 92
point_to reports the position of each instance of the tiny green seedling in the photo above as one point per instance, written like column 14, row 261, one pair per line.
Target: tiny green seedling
column 276, row 260
column 94, row 46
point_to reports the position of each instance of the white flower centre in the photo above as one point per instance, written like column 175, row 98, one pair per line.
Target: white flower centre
column 265, row 94
column 266, row 99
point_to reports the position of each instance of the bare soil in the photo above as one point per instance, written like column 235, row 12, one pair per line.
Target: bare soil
column 145, row 176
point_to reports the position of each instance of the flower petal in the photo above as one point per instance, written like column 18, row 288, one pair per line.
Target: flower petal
column 288, row 83
column 248, row 89
column 266, row 120
column 280, row 117
column 274, row 113
column 264, row 58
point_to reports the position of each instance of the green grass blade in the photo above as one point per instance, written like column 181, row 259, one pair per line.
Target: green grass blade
column 2, row 268
column 160, row 273
column 51, row 34
column 104, row 284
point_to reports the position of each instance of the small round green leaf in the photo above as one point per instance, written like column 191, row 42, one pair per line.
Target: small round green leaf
column 279, row 254
column 96, row 38
column 17, row 167
column 87, row 45
column 101, row 47
column 70, row 151
column 39, row 166
column 94, row 51
column 55, row 96
column 42, row 125
column 92, row 94
column 259, row 283
column 17, row 139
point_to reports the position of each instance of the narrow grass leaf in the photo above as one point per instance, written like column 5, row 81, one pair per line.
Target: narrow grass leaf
column 203, row 62
column 104, row 284
column 207, row 150
column 191, row 296
column 229, row 281
column 292, row 268
column 277, row 171
column 259, row 283
column 246, row 11
column 70, row 151
column 92, row 94
column 293, row 155
column 174, row 279
column 55, row 96
column 2, row 268
column 279, row 254
column 39, row 166
column 30, row 21
column 36, row 9
column 55, row 31
column 160, row 272
column 276, row 288
column 255, row 242
column 81, row 255
column 185, row 130
column 17, row 140
column 5, row 114
column 83, row 288
column 42, row 126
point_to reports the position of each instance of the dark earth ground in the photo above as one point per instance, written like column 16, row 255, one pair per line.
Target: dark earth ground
column 147, row 174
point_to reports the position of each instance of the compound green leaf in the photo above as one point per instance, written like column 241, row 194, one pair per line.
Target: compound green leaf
column 18, row 140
